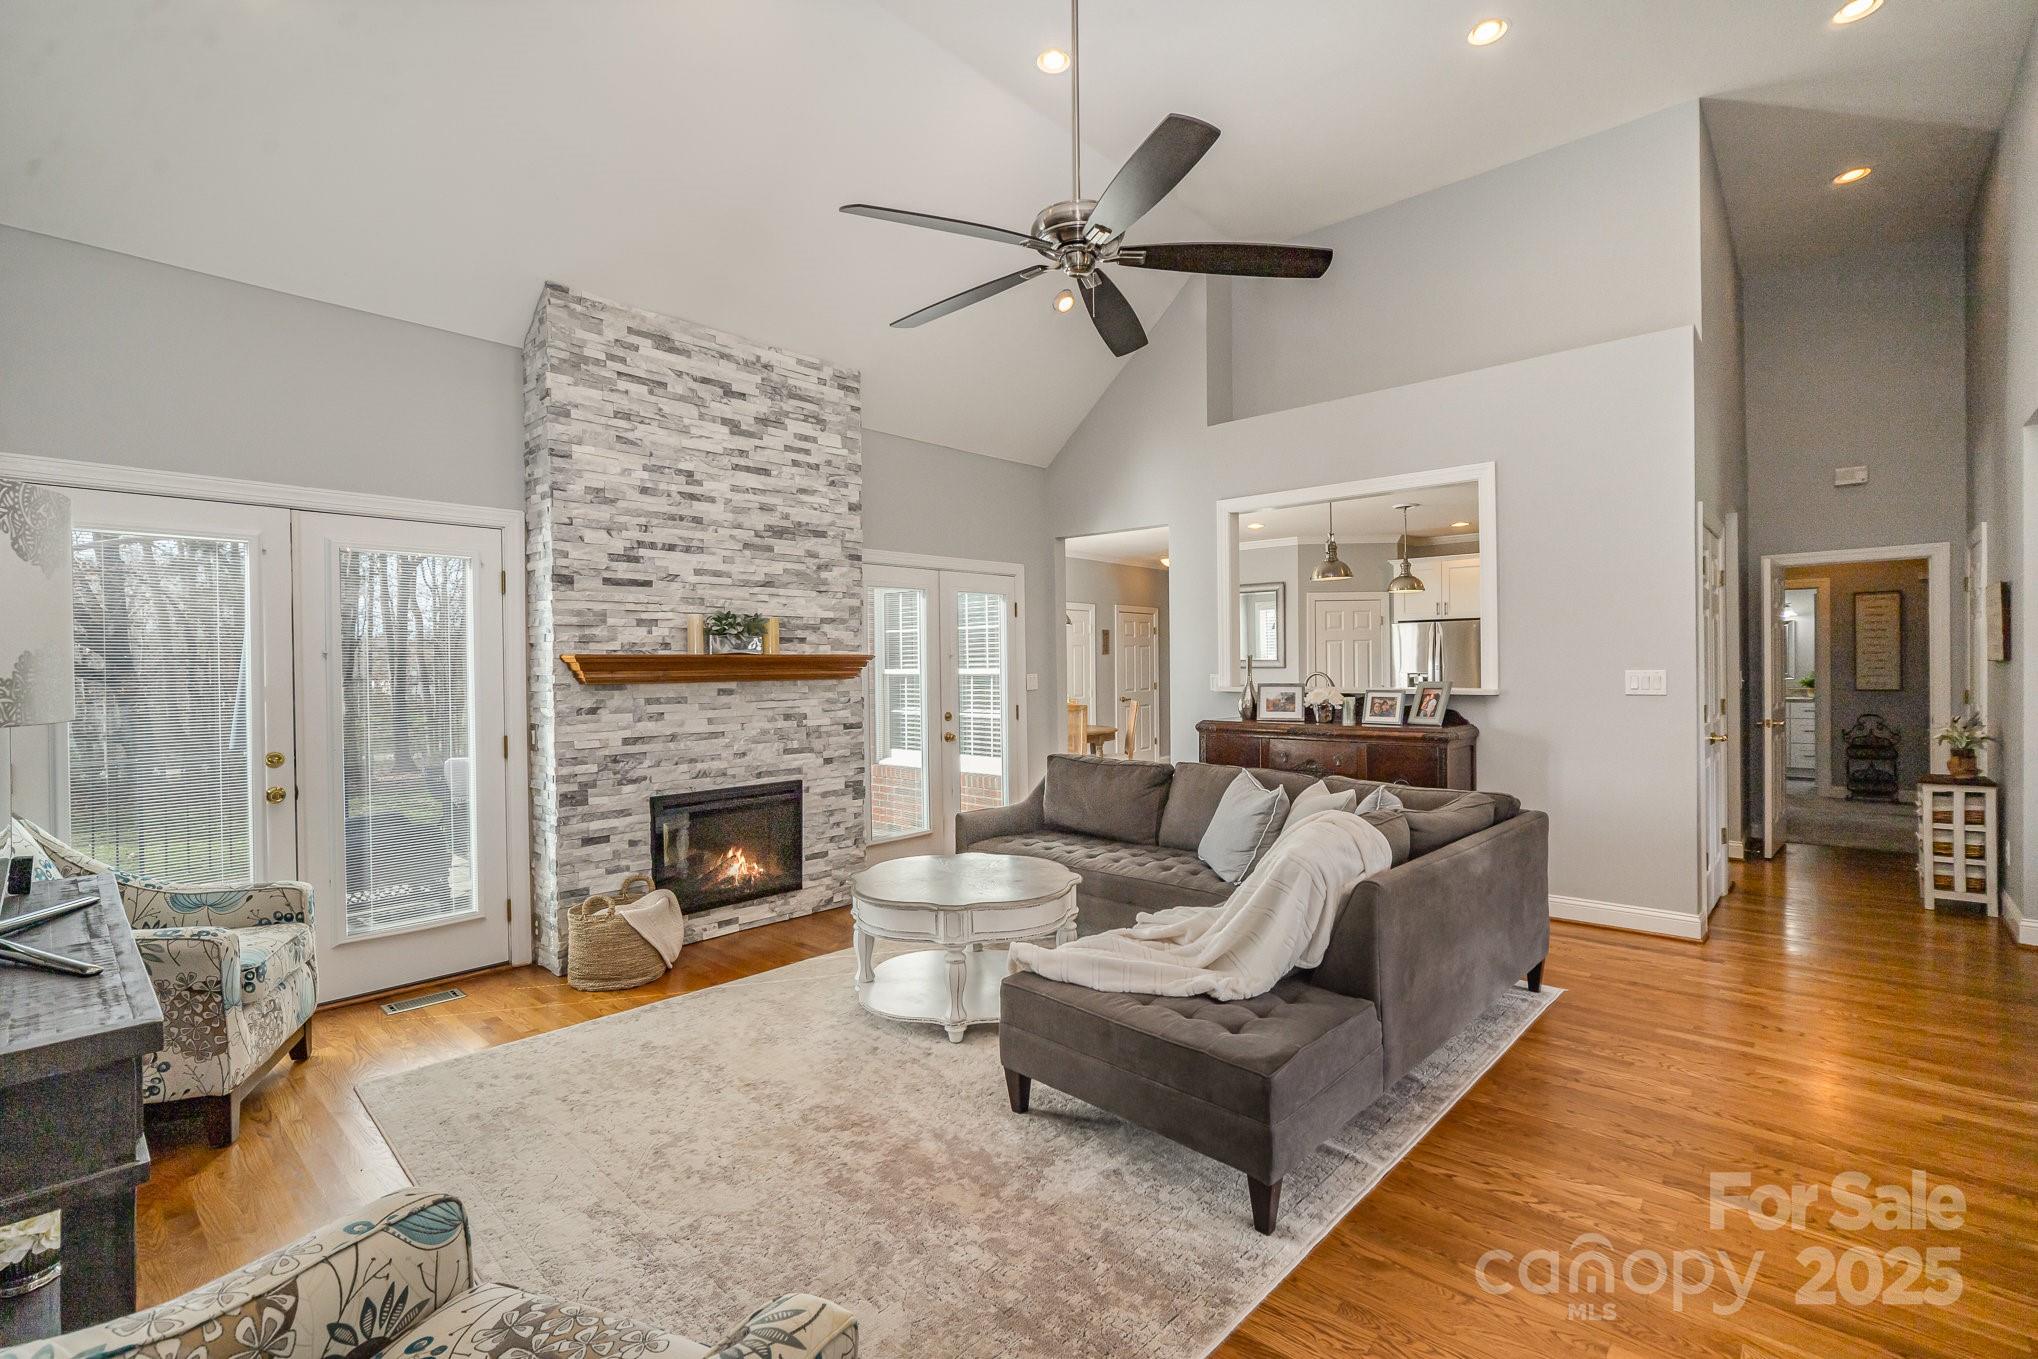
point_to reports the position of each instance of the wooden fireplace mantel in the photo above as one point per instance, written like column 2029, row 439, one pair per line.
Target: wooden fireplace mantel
column 647, row 667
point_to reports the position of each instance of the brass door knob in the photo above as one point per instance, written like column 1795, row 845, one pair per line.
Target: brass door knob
column 948, row 736
column 274, row 759
column 274, row 795
column 1716, row 737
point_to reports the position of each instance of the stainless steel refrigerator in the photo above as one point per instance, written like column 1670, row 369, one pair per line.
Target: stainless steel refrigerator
column 1437, row 651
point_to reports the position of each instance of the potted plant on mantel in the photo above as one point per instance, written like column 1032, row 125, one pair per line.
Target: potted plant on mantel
column 1963, row 738
column 732, row 633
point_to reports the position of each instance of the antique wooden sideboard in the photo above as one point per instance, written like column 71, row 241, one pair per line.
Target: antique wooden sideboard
column 1426, row 757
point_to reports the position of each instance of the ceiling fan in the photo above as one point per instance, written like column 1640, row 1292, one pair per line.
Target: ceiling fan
column 1080, row 235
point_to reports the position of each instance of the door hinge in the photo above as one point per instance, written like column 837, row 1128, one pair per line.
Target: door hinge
column 505, row 580
column 505, row 745
column 1723, row 835
column 1015, row 608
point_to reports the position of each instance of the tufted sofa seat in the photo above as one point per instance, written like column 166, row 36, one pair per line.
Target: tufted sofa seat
column 1119, row 880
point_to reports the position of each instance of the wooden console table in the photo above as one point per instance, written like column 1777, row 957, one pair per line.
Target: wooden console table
column 1424, row 757
column 71, row 1052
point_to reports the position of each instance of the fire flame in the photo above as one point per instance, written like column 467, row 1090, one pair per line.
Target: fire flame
column 735, row 868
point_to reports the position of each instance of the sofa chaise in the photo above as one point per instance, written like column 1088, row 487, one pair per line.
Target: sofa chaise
column 1417, row 953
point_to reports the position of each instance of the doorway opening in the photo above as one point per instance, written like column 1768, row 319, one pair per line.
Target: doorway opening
column 1115, row 629
column 1858, row 670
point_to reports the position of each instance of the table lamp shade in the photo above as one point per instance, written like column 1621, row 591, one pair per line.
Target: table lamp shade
column 36, row 685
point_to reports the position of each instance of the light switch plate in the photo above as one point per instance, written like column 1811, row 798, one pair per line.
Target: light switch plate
column 1650, row 683
column 1032, row 682
column 1850, row 476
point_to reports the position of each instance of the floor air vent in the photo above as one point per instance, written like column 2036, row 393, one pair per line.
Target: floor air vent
column 398, row 1007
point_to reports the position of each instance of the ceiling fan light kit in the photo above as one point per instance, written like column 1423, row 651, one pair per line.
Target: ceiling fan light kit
column 1079, row 235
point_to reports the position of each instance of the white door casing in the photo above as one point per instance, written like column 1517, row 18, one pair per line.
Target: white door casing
column 1349, row 639
column 1774, row 757
column 401, row 899
column 1136, row 669
column 1712, row 726
column 1976, row 587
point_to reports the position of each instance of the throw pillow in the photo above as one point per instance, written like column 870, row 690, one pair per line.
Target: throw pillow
column 1318, row 797
column 1465, row 814
column 1381, row 799
column 1248, row 819
column 1394, row 825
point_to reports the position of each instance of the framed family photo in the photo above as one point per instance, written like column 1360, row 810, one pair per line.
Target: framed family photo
column 1281, row 702
column 1384, row 708
column 1430, row 704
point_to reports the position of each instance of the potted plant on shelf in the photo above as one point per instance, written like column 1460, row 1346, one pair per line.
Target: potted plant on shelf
column 1963, row 738
column 730, row 632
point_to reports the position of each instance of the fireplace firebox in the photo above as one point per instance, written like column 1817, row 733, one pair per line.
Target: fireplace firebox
column 726, row 845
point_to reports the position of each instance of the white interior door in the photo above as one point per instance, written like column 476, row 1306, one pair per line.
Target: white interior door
column 943, row 703
column 1713, row 714
column 1349, row 640
column 1775, row 758
column 1137, row 665
column 403, row 805
column 179, row 762
column 1081, row 661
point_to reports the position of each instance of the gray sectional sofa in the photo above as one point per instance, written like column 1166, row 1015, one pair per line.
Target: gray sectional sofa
column 1418, row 952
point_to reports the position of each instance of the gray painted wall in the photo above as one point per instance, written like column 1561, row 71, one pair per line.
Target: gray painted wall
column 920, row 497
column 1572, row 434
column 1106, row 585
column 109, row 358
column 1908, row 709
column 1591, row 241
column 2002, row 389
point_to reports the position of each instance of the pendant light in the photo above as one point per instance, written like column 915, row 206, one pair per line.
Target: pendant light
column 1406, row 583
column 1331, row 568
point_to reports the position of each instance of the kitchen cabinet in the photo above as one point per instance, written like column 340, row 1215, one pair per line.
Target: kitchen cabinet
column 1450, row 589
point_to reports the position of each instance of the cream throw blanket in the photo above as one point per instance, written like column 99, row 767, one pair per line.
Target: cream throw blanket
column 1275, row 921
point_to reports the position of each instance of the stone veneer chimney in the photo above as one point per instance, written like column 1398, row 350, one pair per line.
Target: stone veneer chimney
column 671, row 469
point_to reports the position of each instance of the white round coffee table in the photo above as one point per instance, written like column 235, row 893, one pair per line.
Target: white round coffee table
column 958, row 903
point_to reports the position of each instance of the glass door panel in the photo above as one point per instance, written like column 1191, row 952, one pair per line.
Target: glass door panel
column 179, row 757
column 900, row 774
column 404, row 808
column 981, row 727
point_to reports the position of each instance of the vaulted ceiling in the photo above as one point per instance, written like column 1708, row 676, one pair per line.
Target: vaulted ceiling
column 436, row 160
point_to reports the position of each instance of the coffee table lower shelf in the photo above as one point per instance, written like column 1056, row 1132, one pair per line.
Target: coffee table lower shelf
column 919, row 988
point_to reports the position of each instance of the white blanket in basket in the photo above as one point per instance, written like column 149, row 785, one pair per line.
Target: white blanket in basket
column 1277, row 920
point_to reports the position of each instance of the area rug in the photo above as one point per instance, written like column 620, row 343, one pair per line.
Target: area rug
column 683, row 1162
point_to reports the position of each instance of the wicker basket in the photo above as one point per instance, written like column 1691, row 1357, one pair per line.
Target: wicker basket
column 604, row 952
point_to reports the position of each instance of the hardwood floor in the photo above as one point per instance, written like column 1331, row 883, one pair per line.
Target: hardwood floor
column 1828, row 1025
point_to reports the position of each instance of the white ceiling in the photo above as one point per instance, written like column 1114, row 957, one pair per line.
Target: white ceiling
column 1128, row 547
column 436, row 160
column 1374, row 518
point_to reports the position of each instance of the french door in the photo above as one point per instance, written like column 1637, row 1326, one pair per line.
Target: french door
column 268, row 695
column 943, row 706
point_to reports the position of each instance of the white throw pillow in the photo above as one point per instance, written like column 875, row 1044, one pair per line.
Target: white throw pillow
column 1381, row 799
column 1317, row 797
column 1248, row 819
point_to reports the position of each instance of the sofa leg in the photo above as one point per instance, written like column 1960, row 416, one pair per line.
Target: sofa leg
column 1019, row 1089
column 1266, row 1205
column 1535, row 977
column 222, row 1118
column 300, row 1051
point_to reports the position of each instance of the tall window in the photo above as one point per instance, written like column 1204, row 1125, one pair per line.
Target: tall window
column 161, row 781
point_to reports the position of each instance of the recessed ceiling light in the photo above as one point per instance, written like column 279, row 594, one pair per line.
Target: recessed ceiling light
column 1462, row 523
column 1487, row 32
column 1054, row 61
column 1064, row 301
column 1855, row 10
column 1853, row 176
column 1255, row 526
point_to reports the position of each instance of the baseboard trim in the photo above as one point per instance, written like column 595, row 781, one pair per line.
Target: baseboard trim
column 2022, row 928
column 1618, row 916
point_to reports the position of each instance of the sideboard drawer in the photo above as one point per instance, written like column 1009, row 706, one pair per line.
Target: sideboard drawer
column 1304, row 756
column 1419, row 766
column 1228, row 747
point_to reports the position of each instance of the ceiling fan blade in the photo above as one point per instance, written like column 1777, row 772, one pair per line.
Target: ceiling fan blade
column 1242, row 258
column 1169, row 152
column 1113, row 316
column 970, row 297
column 954, row 226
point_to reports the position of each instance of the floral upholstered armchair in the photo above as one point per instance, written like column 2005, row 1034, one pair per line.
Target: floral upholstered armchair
column 234, row 970
column 396, row 1279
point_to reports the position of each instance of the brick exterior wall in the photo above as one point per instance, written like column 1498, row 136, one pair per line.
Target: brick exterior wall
column 671, row 469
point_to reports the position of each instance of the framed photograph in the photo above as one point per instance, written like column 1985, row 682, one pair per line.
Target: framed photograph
column 1281, row 702
column 1431, row 702
column 1384, row 708
column 1879, row 641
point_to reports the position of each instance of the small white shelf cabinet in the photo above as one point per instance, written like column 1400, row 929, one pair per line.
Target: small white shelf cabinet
column 1958, row 838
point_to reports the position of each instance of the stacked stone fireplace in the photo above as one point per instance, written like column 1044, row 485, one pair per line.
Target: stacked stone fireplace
column 671, row 470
